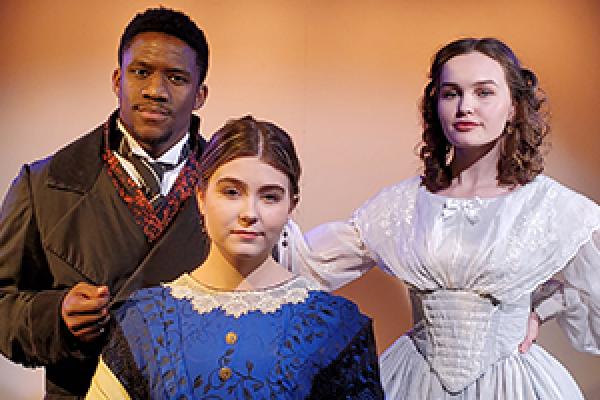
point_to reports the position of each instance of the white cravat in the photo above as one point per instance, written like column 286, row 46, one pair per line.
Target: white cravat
column 171, row 156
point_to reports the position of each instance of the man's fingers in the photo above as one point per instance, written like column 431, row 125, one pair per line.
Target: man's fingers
column 83, row 325
column 102, row 291
column 78, row 322
column 73, row 305
column 84, row 310
column 90, row 333
column 89, row 291
column 84, row 298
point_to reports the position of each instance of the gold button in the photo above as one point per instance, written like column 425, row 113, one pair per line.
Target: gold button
column 225, row 373
column 231, row 338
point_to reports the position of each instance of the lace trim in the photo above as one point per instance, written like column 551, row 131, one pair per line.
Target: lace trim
column 389, row 212
column 237, row 303
column 379, row 222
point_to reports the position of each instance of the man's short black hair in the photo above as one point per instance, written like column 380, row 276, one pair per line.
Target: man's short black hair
column 170, row 22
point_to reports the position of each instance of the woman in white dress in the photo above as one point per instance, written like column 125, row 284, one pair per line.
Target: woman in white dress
column 478, row 239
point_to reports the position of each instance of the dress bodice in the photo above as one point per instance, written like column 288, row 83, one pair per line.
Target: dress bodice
column 289, row 341
column 504, row 246
column 473, row 264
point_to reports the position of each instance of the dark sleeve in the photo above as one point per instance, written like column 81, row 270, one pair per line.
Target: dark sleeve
column 31, row 329
column 354, row 374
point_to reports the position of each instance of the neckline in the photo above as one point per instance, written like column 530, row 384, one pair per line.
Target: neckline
column 481, row 199
column 189, row 278
column 171, row 156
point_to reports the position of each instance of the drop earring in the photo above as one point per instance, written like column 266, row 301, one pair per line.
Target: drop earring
column 202, row 224
column 284, row 234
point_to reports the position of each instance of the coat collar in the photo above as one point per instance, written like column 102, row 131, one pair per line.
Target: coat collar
column 77, row 166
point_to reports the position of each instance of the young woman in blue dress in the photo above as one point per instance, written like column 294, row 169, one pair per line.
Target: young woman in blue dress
column 240, row 326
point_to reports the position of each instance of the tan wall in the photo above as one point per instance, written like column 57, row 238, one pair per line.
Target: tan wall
column 342, row 76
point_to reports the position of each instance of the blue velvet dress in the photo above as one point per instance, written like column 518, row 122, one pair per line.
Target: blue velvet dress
column 184, row 340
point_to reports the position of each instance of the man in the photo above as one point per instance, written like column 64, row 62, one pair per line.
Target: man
column 109, row 213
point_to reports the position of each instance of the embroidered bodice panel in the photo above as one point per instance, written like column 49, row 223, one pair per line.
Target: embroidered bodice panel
column 504, row 246
column 462, row 333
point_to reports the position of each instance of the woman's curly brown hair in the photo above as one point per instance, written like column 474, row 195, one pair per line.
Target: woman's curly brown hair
column 521, row 158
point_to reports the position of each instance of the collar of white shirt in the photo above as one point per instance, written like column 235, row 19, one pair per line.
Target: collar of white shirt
column 170, row 156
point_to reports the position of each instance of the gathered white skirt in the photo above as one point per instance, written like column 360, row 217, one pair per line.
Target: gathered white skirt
column 405, row 374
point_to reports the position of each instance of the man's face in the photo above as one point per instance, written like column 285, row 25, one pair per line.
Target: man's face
column 158, row 88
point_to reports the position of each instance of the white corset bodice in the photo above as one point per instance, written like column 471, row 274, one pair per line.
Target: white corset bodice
column 461, row 333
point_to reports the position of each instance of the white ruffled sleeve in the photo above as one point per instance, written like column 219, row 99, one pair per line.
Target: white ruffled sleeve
column 337, row 253
column 575, row 302
column 581, row 317
column 333, row 254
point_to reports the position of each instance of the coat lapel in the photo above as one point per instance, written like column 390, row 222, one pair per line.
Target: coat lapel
column 177, row 251
column 98, row 236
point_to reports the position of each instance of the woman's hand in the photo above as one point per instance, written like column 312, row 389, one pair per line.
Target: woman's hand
column 533, row 329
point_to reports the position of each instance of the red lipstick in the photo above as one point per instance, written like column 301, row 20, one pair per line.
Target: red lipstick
column 465, row 126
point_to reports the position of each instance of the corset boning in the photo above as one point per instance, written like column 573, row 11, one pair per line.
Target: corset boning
column 462, row 333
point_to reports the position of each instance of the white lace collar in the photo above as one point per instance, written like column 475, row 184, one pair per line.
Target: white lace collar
column 204, row 299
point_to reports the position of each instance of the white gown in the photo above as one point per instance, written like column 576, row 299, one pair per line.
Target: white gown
column 475, row 267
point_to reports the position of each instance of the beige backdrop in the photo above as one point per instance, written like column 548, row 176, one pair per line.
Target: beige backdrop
column 343, row 77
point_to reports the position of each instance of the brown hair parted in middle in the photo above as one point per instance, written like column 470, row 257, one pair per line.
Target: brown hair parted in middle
column 248, row 137
column 521, row 158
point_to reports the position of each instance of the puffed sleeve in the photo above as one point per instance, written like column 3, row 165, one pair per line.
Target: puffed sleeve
column 575, row 299
column 338, row 252
column 333, row 254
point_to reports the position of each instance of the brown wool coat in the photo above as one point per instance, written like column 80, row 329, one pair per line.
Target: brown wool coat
column 63, row 222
